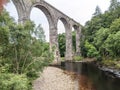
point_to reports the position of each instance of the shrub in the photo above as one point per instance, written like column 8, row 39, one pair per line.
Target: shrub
column 13, row 82
column 91, row 50
column 108, row 62
column 77, row 58
column 62, row 58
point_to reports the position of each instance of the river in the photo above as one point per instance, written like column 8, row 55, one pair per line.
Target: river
column 90, row 77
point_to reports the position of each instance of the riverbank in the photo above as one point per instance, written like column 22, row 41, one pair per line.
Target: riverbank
column 110, row 67
column 54, row 78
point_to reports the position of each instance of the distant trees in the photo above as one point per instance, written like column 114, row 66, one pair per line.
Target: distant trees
column 97, row 11
column 62, row 43
column 39, row 33
column 102, row 33
column 114, row 4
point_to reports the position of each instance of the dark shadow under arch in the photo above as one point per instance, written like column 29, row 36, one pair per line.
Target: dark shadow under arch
column 75, row 27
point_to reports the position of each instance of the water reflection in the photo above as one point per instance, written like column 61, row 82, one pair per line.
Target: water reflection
column 85, row 83
column 89, row 77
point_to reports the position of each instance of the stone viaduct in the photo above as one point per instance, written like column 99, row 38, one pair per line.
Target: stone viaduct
column 24, row 8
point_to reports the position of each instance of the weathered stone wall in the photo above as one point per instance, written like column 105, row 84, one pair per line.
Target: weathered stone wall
column 24, row 8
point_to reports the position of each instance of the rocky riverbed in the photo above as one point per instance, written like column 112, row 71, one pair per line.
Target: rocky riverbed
column 54, row 78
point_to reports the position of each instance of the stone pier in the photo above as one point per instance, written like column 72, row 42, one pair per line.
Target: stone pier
column 24, row 8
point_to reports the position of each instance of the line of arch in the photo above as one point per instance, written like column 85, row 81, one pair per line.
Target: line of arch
column 53, row 16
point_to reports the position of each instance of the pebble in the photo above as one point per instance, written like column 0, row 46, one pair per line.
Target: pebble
column 54, row 78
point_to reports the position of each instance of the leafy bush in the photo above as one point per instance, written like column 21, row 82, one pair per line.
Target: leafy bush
column 108, row 62
column 13, row 82
column 77, row 58
column 62, row 58
column 117, row 65
column 112, row 45
column 21, row 53
column 111, row 63
column 91, row 50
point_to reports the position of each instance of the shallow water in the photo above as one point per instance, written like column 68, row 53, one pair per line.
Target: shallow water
column 90, row 77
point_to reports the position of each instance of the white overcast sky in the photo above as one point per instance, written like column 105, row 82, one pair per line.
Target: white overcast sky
column 79, row 10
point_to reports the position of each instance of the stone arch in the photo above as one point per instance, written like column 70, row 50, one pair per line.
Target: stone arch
column 64, row 21
column 12, row 6
column 20, row 10
column 45, row 10
column 63, row 26
column 75, row 26
column 24, row 8
column 68, row 35
column 52, row 27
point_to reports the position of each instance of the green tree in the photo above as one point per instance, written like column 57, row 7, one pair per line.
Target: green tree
column 112, row 45
column 92, row 27
column 74, row 40
column 39, row 33
column 113, row 5
column 97, row 11
column 16, row 47
column 62, row 45
column 91, row 50
column 99, row 39
column 21, row 54
column 115, row 26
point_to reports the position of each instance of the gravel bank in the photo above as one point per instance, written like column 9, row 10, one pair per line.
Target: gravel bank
column 54, row 79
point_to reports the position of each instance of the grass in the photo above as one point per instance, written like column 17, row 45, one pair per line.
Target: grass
column 77, row 58
column 111, row 63
column 62, row 58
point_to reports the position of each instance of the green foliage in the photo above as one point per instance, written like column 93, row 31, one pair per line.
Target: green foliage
column 62, row 58
column 108, row 62
column 114, row 4
column 21, row 53
column 112, row 45
column 13, row 82
column 117, row 65
column 102, row 34
column 91, row 27
column 62, row 45
column 97, row 11
column 39, row 33
column 99, row 39
column 77, row 58
column 115, row 26
column 74, row 40
column 111, row 63
column 22, row 48
column 91, row 50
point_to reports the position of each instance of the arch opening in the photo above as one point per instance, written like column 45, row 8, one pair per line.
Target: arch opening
column 40, row 16
column 62, row 36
